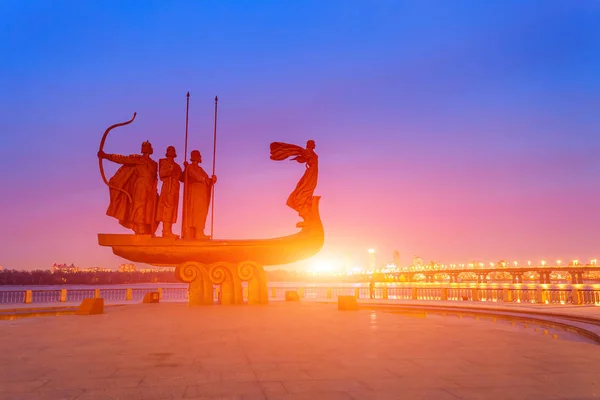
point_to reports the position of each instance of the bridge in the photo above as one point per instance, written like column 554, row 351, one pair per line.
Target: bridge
column 432, row 274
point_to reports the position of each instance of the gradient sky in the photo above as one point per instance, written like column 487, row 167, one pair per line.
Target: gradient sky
column 453, row 130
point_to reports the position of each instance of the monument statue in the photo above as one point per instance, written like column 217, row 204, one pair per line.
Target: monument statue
column 137, row 177
column 168, row 202
column 301, row 199
column 227, row 263
column 197, row 197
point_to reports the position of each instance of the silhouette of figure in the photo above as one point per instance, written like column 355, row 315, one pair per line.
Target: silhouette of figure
column 170, row 174
column 197, row 197
column 137, row 177
column 301, row 198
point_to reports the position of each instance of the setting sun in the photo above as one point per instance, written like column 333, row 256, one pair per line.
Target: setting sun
column 324, row 266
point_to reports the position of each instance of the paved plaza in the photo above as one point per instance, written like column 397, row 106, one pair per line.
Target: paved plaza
column 287, row 351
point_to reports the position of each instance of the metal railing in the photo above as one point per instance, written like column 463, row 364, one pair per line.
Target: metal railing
column 45, row 296
column 175, row 294
column 524, row 294
column 113, row 294
column 12, row 296
column 79, row 294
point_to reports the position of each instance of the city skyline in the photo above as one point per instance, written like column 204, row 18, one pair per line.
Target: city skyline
column 460, row 132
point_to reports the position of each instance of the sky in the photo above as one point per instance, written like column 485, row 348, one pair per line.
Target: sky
column 450, row 130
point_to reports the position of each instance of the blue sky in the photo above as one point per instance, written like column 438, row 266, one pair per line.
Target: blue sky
column 434, row 120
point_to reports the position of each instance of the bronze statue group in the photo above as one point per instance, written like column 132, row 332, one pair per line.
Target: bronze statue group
column 134, row 198
column 136, row 204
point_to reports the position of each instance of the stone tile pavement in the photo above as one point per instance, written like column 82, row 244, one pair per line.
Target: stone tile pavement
column 590, row 311
column 286, row 351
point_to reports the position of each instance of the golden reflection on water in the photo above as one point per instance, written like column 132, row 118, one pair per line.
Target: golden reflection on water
column 373, row 321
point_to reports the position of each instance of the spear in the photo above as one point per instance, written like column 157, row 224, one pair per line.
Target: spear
column 212, row 194
column 185, row 176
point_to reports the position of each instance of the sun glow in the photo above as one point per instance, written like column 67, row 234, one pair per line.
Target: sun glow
column 324, row 266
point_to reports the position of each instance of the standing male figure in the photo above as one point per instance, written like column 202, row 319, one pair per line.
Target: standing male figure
column 197, row 197
column 170, row 174
column 138, row 178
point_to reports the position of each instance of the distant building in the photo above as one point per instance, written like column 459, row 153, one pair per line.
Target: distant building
column 97, row 269
column 396, row 258
column 64, row 268
column 417, row 261
column 126, row 268
column 372, row 259
column 156, row 269
column 150, row 270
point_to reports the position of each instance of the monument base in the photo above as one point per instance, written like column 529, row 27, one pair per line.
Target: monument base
column 229, row 276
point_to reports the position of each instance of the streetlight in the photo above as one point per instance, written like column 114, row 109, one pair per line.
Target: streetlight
column 543, row 263
column 593, row 262
column 558, row 262
column 372, row 262
column 516, row 263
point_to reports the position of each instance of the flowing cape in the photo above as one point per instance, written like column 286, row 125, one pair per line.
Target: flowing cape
column 119, row 206
column 281, row 151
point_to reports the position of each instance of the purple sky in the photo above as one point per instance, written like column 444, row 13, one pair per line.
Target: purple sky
column 456, row 131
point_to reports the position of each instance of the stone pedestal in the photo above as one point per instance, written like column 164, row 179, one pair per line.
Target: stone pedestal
column 229, row 278
column 91, row 307
column 151, row 297
column 292, row 295
column 347, row 303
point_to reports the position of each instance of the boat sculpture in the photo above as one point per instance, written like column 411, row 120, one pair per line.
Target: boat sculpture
column 227, row 263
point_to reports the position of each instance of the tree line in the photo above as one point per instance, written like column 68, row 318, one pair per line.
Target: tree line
column 46, row 277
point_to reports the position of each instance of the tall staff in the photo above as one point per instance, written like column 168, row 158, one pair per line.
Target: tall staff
column 185, row 176
column 212, row 194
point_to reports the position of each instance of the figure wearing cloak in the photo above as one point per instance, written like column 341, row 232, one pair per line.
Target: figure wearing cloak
column 137, row 177
column 301, row 198
column 170, row 174
column 197, row 198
